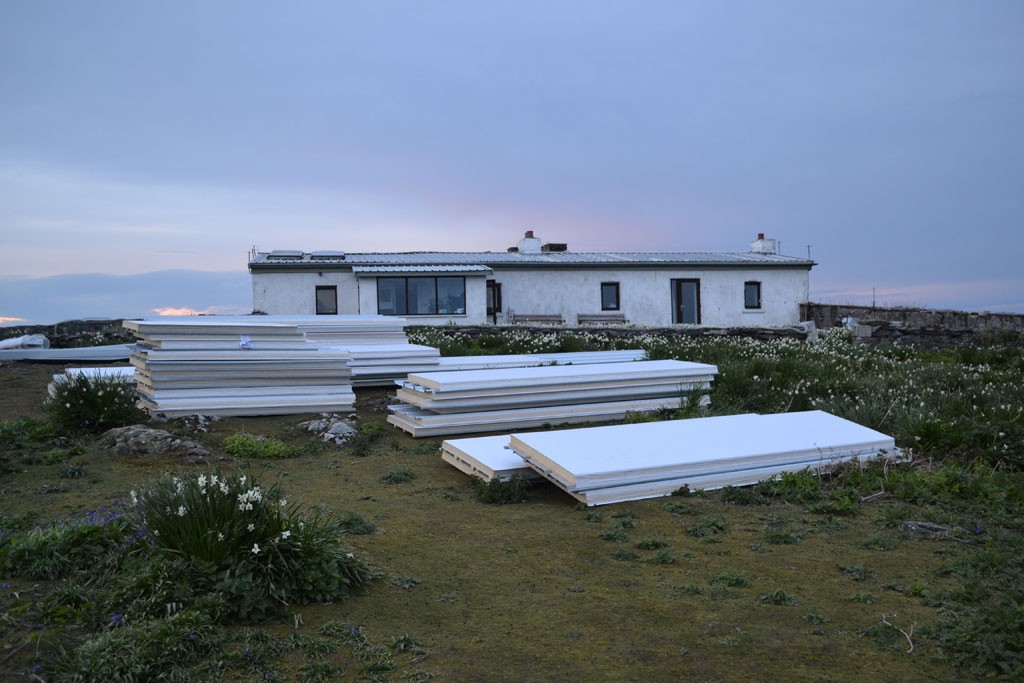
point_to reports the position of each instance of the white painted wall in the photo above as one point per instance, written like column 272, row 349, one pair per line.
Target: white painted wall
column 294, row 293
column 645, row 295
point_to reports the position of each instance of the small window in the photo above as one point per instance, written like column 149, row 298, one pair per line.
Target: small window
column 609, row 296
column 752, row 295
column 327, row 300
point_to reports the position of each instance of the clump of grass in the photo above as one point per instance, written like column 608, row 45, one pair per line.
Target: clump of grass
column 857, row 572
column 779, row 536
column 497, row 492
column 879, row 543
column 625, row 555
column 679, row 508
column 730, row 579
column 742, row 495
column 366, row 435
column 145, row 651
column 650, row 544
column 397, row 477
column 82, row 404
column 615, row 536
column 777, row 597
column 59, row 549
column 707, row 527
column 258, row 447
column 663, row 556
column 355, row 524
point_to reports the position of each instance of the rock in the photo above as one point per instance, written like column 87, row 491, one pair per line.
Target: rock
column 331, row 429
column 145, row 441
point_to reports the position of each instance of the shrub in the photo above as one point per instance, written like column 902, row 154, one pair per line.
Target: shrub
column 398, row 477
column 255, row 549
column 83, row 404
column 496, row 492
column 258, row 447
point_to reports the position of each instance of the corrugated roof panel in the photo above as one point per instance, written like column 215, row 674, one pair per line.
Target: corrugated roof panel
column 476, row 268
column 485, row 259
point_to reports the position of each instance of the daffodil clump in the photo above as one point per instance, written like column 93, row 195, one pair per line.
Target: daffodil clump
column 253, row 545
column 82, row 404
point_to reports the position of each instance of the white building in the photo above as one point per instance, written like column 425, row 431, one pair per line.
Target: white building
column 535, row 281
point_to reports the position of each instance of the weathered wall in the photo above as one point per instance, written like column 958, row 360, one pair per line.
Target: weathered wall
column 75, row 333
column 917, row 327
column 832, row 315
column 645, row 294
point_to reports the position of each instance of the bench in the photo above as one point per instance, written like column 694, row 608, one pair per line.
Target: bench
column 601, row 318
column 548, row 318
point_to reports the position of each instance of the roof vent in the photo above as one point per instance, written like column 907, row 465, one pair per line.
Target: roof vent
column 555, row 246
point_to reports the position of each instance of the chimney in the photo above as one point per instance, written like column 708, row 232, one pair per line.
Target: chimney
column 768, row 247
column 529, row 244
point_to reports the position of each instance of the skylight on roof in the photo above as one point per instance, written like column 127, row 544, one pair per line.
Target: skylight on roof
column 327, row 255
column 285, row 255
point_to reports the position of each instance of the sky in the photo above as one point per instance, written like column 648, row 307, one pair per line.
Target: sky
column 146, row 147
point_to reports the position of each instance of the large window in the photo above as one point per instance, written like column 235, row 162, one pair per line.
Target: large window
column 326, row 300
column 421, row 295
column 609, row 296
column 752, row 295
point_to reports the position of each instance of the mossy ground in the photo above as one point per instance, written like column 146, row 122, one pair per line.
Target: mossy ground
column 532, row 592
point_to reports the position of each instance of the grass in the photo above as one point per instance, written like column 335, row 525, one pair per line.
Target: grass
column 466, row 574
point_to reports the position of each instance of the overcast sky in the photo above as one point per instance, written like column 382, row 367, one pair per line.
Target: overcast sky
column 140, row 137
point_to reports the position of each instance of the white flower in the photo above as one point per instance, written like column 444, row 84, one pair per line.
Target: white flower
column 284, row 501
column 135, row 497
column 251, row 527
column 285, row 534
column 241, row 480
column 255, row 549
column 202, row 481
column 220, row 536
column 181, row 510
column 67, row 405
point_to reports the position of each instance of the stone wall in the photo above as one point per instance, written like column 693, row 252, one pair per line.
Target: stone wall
column 917, row 327
column 75, row 333
column 832, row 315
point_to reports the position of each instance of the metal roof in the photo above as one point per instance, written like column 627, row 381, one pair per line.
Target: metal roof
column 470, row 268
column 542, row 259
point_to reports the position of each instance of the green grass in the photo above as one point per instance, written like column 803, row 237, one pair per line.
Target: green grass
column 466, row 574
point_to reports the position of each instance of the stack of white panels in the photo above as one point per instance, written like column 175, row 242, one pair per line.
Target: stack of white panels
column 613, row 464
column 236, row 366
column 382, row 364
column 462, row 402
column 530, row 360
column 320, row 330
column 486, row 457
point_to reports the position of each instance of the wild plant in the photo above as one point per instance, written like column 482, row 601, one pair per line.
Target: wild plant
column 83, row 404
column 258, row 447
column 497, row 492
column 260, row 551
